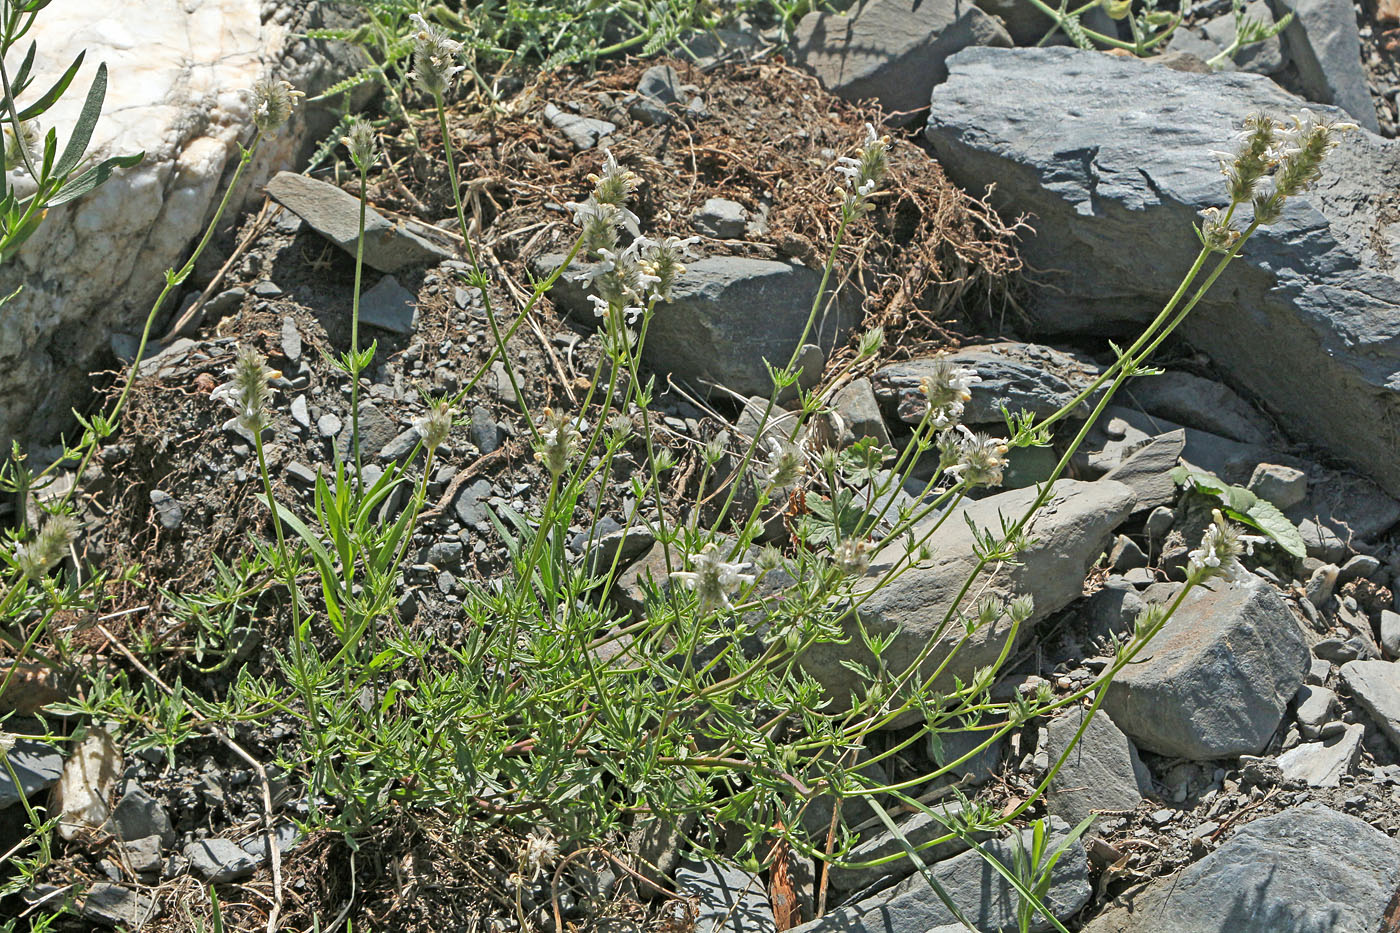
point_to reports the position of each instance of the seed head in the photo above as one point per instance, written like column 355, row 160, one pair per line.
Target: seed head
column 434, row 426
column 540, row 852
column 434, row 57
column 615, row 184
column 662, row 260
column 980, row 460
column 713, row 580
column 559, row 437
column 38, row 556
column 1216, row 233
column 359, row 139
column 782, row 464
column 273, row 102
column 863, row 173
column 248, row 392
column 948, row 387
column 852, row 557
column 1252, row 159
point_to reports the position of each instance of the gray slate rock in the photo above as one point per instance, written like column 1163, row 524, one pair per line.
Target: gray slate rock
column 138, row 815
column 740, row 310
column 976, row 887
column 1324, row 44
column 1067, row 535
column 1026, row 376
column 720, row 218
column 1376, row 686
column 291, row 340
column 484, row 431
column 38, row 765
column 1390, row 633
column 1284, row 486
column 1116, row 182
column 1100, row 772
column 662, row 84
column 1324, row 763
column 335, row 214
column 859, row 410
column 892, row 50
column 1305, row 870
column 728, row 899
column 167, row 509
column 376, row 432
column 1195, row 402
column 389, row 306
column 1147, row 471
column 116, row 905
column 470, row 504
column 219, row 860
column 1215, row 681
column 919, row 829
column 583, row 132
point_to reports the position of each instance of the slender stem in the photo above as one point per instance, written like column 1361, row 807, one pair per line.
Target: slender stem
column 354, row 367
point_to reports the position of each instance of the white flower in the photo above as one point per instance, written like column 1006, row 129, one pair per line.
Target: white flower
column 948, row 387
column 433, row 56
column 541, row 850
column 980, row 460
column 248, row 391
column 713, row 579
column 852, row 557
column 615, row 184
column 782, row 464
column 434, row 426
column 273, row 101
column 1220, row 550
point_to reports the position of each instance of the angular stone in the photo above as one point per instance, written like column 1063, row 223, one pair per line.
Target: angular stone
column 38, row 766
column 1023, row 376
column 720, row 218
column 178, row 75
column 583, row 132
column 892, row 50
column 973, row 885
column 728, row 900
column 138, row 815
column 1324, row 44
column 376, row 431
column 389, row 306
column 1199, row 403
column 1325, row 763
column 143, row 855
column 1100, row 772
column 1313, row 707
column 1376, row 686
column 116, row 905
column 918, row 830
column 860, row 413
column 1067, row 535
column 1117, row 180
column 1284, row 486
column 1390, row 633
column 1305, row 869
column 1147, row 471
column 662, row 84
column 470, row 504
column 335, row 214
column 219, row 860
column 1216, row 679
column 742, row 311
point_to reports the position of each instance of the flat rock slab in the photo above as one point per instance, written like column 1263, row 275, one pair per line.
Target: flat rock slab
column 1100, row 772
column 178, row 74
column 975, row 886
column 219, row 860
column 1067, row 535
column 1305, row 870
column 728, row 900
column 335, row 214
column 892, row 50
column 1376, row 686
column 726, row 315
column 1113, row 157
column 1021, row 376
column 1325, row 763
column 38, row 765
column 1215, row 681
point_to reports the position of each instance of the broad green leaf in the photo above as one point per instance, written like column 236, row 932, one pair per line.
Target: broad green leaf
column 87, row 122
column 1268, row 519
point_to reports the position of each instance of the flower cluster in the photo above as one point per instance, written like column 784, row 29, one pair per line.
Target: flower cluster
column 782, row 463
column 948, row 387
column 1222, row 545
column 852, row 557
column 359, row 139
column 977, row 459
column 249, row 390
column 863, row 173
column 1272, row 162
column 39, row 555
column 559, row 438
column 713, row 579
column 273, row 102
column 434, row 57
column 434, row 426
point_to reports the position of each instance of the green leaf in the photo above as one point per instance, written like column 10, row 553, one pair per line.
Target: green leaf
column 87, row 122
column 93, row 177
column 51, row 96
column 1268, row 519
